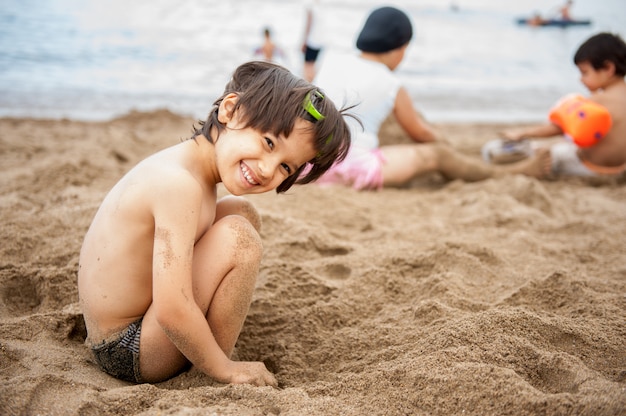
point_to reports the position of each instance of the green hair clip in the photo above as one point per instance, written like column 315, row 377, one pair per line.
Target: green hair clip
column 310, row 108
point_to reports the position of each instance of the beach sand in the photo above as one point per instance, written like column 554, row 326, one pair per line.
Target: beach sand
column 503, row 297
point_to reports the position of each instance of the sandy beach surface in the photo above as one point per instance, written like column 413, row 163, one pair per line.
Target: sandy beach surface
column 504, row 297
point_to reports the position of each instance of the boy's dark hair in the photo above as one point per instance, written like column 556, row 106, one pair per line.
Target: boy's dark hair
column 271, row 99
column 599, row 49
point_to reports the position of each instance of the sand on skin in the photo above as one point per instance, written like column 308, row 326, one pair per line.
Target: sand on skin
column 493, row 298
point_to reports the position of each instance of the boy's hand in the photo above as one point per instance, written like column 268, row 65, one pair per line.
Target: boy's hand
column 254, row 373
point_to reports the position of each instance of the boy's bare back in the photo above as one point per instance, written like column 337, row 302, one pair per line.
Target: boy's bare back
column 116, row 259
column 611, row 150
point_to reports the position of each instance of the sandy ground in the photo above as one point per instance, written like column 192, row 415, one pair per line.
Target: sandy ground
column 504, row 297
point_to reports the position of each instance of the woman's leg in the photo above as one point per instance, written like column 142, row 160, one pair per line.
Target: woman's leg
column 405, row 162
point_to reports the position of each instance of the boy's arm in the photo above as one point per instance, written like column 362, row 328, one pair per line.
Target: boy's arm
column 532, row 132
column 410, row 120
column 176, row 220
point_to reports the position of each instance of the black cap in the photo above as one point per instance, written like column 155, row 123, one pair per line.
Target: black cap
column 385, row 29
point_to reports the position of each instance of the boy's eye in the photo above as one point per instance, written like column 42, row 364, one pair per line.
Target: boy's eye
column 287, row 168
column 269, row 142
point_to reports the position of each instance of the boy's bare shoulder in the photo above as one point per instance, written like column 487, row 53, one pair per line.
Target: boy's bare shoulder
column 614, row 100
column 161, row 179
column 171, row 181
column 616, row 93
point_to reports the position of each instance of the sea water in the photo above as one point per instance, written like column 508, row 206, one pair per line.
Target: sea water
column 468, row 61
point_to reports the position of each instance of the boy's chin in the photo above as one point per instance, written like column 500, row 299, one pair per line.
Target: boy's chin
column 234, row 190
column 242, row 190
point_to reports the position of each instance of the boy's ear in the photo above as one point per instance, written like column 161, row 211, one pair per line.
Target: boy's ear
column 609, row 66
column 226, row 109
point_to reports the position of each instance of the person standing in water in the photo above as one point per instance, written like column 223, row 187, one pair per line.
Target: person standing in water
column 313, row 41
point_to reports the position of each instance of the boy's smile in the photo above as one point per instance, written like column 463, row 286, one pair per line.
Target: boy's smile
column 252, row 162
column 247, row 173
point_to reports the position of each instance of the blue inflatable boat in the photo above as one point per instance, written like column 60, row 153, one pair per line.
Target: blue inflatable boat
column 530, row 21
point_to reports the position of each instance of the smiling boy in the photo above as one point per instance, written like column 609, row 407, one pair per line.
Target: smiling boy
column 167, row 271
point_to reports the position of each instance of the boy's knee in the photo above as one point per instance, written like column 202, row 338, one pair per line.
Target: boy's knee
column 245, row 236
column 235, row 205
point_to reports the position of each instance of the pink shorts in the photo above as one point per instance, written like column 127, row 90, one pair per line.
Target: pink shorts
column 362, row 169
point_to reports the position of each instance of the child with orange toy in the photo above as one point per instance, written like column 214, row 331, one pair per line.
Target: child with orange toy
column 595, row 126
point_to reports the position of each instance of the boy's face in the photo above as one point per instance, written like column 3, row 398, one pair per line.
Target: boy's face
column 251, row 162
column 592, row 78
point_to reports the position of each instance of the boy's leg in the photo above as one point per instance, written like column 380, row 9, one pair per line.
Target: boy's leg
column 308, row 71
column 225, row 267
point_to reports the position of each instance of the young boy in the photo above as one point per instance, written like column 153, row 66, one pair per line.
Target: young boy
column 601, row 61
column 166, row 270
column 367, row 81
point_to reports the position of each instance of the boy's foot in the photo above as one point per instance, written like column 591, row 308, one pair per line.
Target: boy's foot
column 538, row 166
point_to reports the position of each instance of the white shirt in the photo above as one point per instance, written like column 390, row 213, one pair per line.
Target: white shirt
column 348, row 79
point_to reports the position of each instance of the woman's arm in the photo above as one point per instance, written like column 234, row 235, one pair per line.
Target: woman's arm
column 410, row 120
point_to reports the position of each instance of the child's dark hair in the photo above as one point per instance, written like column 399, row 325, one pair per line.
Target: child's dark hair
column 271, row 99
column 599, row 49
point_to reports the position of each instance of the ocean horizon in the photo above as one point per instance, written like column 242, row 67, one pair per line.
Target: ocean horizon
column 468, row 61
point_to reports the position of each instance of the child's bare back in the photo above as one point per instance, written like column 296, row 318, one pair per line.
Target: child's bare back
column 611, row 150
column 116, row 257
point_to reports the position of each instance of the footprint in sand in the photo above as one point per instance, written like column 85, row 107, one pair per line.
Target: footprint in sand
column 18, row 292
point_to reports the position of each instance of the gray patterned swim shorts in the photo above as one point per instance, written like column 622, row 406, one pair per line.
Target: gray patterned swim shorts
column 120, row 357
